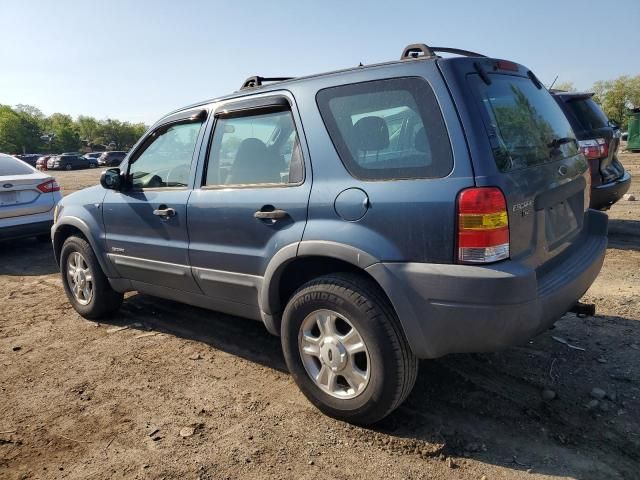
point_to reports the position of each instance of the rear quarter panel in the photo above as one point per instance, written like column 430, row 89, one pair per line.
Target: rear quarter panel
column 407, row 220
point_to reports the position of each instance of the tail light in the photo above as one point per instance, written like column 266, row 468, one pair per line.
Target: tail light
column 594, row 149
column 49, row 186
column 483, row 226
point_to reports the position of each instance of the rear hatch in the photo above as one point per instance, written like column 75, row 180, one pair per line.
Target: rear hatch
column 522, row 143
column 19, row 193
column 591, row 124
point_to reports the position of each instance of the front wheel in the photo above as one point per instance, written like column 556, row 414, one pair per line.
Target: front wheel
column 345, row 348
column 85, row 284
column 68, row 166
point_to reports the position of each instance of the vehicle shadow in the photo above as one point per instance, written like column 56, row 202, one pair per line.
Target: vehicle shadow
column 487, row 407
column 27, row 257
column 624, row 234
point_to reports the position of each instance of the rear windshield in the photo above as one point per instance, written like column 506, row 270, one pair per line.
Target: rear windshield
column 387, row 129
column 526, row 126
column 587, row 113
column 13, row 166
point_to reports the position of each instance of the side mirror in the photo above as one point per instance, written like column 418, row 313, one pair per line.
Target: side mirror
column 111, row 179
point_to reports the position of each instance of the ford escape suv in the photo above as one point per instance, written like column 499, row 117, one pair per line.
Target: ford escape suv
column 370, row 217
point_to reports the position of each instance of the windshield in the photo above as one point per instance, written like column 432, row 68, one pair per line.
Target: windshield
column 526, row 126
column 13, row 166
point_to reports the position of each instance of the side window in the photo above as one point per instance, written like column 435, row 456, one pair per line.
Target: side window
column 387, row 129
column 166, row 161
column 255, row 149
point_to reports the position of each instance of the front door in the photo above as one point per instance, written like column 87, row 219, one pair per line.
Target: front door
column 146, row 222
column 251, row 201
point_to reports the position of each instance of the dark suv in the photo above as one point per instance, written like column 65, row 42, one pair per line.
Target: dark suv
column 67, row 161
column 111, row 158
column 599, row 140
column 371, row 217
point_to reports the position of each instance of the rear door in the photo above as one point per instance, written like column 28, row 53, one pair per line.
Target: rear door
column 251, row 200
column 19, row 193
column 527, row 148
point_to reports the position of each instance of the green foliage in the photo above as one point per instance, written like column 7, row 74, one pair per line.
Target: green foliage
column 25, row 129
column 617, row 96
column 565, row 86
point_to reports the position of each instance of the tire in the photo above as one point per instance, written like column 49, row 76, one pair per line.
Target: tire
column 358, row 303
column 68, row 166
column 103, row 301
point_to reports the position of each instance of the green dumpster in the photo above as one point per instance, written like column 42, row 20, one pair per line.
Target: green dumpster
column 633, row 140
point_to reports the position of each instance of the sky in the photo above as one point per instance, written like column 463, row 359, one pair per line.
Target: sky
column 137, row 60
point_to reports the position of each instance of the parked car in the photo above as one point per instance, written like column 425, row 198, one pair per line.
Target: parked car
column 383, row 250
column 67, row 161
column 111, row 159
column 41, row 163
column 29, row 158
column 92, row 158
column 599, row 140
column 27, row 200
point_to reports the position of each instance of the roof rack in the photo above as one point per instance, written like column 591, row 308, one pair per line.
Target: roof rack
column 257, row 81
column 416, row 50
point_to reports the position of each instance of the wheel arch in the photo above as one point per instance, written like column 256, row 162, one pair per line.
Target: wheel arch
column 292, row 267
column 69, row 226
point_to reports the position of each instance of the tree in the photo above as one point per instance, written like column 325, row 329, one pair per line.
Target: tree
column 122, row 134
column 617, row 96
column 19, row 131
column 89, row 129
column 565, row 86
column 65, row 135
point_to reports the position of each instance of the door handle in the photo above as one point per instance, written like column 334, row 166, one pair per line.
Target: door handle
column 276, row 214
column 164, row 211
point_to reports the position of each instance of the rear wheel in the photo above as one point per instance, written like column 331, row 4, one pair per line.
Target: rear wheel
column 85, row 284
column 345, row 349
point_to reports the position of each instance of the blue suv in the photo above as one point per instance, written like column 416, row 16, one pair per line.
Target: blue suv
column 370, row 217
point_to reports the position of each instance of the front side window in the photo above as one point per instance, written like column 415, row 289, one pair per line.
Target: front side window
column 166, row 161
column 387, row 129
column 525, row 124
column 255, row 149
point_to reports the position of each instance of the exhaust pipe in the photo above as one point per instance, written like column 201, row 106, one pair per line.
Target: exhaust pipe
column 584, row 309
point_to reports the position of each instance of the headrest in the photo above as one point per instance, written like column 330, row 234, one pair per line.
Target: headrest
column 371, row 133
column 420, row 141
column 251, row 149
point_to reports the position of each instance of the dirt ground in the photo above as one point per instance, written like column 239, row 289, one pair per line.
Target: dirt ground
column 84, row 400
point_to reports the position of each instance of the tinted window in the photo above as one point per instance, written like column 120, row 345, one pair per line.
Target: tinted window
column 587, row 113
column 13, row 166
column 387, row 129
column 262, row 148
column 166, row 161
column 525, row 124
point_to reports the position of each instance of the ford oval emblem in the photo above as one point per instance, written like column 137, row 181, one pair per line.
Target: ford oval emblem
column 8, row 185
column 563, row 170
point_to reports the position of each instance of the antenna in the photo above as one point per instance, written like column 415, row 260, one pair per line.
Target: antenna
column 553, row 83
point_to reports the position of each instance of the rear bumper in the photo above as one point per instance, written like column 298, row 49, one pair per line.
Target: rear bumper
column 603, row 196
column 466, row 308
column 26, row 230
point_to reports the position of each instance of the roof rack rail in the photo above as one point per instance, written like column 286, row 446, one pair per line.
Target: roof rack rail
column 416, row 50
column 257, row 81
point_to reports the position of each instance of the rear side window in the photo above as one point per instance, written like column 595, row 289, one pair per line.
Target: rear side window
column 587, row 113
column 255, row 148
column 526, row 126
column 13, row 166
column 387, row 129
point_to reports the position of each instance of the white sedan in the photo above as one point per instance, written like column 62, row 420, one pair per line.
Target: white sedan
column 27, row 200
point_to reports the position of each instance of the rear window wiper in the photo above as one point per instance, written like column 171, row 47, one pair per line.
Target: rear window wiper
column 556, row 142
